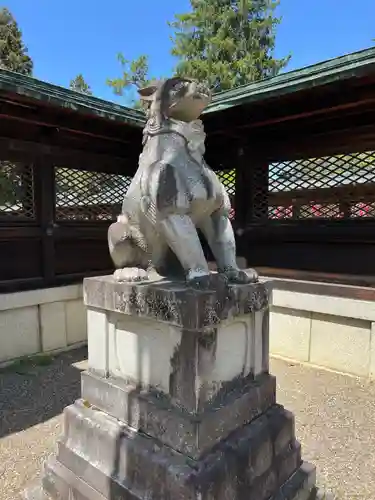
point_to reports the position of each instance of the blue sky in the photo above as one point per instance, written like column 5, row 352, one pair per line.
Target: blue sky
column 67, row 37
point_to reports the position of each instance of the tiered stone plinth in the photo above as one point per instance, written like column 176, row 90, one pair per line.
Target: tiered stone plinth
column 177, row 402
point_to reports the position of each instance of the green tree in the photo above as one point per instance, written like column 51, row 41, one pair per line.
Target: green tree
column 78, row 84
column 135, row 75
column 227, row 43
column 13, row 52
column 14, row 57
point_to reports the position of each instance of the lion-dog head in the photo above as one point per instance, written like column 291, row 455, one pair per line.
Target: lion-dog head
column 178, row 98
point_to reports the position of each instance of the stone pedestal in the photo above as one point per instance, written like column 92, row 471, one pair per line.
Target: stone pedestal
column 177, row 402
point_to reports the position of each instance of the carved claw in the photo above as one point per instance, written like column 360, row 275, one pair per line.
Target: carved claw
column 130, row 274
column 241, row 277
column 200, row 282
column 210, row 281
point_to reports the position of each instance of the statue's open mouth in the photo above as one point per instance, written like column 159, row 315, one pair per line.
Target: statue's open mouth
column 201, row 95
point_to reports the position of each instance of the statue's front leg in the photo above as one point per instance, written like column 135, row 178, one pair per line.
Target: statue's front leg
column 219, row 234
column 181, row 235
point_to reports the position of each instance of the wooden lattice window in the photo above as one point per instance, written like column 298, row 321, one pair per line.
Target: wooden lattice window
column 228, row 178
column 17, row 196
column 331, row 187
column 83, row 195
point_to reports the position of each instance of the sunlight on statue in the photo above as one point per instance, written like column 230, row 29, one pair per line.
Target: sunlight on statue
column 173, row 193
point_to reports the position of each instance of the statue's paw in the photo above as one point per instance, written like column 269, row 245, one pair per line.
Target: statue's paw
column 212, row 281
column 200, row 282
column 130, row 274
column 240, row 277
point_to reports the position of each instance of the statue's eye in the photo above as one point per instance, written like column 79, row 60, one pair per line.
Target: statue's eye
column 178, row 86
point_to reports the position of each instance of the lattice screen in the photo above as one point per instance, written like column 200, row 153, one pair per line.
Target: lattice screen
column 228, row 178
column 16, row 190
column 88, row 196
column 332, row 187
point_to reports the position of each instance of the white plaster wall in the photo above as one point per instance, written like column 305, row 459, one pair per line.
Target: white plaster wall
column 341, row 343
column 39, row 321
column 332, row 332
column 321, row 330
column 19, row 332
column 290, row 333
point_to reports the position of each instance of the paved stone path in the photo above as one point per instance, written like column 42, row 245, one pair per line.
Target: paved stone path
column 335, row 418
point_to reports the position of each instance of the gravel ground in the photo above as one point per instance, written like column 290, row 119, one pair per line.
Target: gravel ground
column 334, row 415
column 31, row 403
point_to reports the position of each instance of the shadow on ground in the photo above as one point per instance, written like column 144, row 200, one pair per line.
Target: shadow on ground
column 37, row 393
column 335, row 417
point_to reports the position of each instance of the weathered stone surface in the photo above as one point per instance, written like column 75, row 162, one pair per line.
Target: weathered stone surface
column 177, row 401
column 241, row 463
column 192, row 367
column 300, row 486
column 319, row 494
column 174, row 302
column 264, row 486
column 189, row 433
column 35, row 492
column 281, row 433
column 61, row 483
column 100, row 458
column 289, row 459
column 62, row 486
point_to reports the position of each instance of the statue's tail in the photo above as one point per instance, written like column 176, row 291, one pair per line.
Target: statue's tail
column 126, row 245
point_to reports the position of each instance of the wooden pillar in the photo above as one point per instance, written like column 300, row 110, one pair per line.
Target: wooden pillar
column 251, row 199
column 45, row 193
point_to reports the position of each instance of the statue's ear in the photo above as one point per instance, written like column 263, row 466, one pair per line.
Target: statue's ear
column 146, row 93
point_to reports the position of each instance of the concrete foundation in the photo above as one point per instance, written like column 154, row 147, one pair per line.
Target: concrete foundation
column 177, row 402
column 44, row 321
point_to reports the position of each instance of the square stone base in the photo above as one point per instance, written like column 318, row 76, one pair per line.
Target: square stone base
column 297, row 487
column 191, row 433
column 177, row 402
column 100, row 458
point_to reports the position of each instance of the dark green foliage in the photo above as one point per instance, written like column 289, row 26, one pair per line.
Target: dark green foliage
column 78, row 84
column 28, row 365
column 227, row 43
column 9, row 183
column 13, row 53
column 134, row 74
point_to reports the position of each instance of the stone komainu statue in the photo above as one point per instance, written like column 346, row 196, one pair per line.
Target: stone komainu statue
column 173, row 193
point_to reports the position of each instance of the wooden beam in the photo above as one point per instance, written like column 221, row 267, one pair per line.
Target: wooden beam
column 312, row 231
column 76, row 123
column 305, row 104
column 322, row 283
column 66, row 140
column 18, row 150
column 297, row 116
